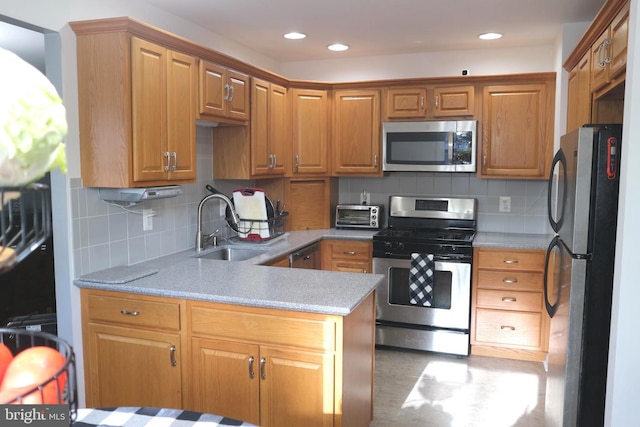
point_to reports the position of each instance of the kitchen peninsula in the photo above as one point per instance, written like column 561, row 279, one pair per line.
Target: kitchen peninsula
column 235, row 338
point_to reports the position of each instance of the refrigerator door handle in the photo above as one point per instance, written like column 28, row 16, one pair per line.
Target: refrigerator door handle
column 558, row 159
column 551, row 308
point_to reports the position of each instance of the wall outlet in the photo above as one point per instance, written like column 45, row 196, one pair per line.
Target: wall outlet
column 365, row 198
column 147, row 219
column 505, row 204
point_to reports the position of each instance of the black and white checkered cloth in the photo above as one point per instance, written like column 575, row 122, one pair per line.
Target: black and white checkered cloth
column 150, row 417
column 421, row 279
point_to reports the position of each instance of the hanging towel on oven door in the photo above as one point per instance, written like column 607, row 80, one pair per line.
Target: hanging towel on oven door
column 421, row 272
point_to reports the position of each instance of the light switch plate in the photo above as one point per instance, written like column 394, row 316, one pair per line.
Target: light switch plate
column 147, row 219
column 365, row 198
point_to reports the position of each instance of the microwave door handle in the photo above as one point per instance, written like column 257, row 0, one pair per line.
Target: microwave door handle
column 450, row 148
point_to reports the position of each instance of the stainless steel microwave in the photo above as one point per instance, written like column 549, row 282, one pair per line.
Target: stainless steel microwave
column 429, row 146
column 359, row 216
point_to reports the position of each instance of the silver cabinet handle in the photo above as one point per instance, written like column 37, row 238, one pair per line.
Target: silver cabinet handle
column 508, row 280
column 297, row 161
column 172, row 355
column 484, row 162
column 275, row 161
column 507, row 328
column 509, row 299
column 437, row 102
column 349, row 252
column 226, row 92
column 375, row 160
column 263, row 362
column 510, row 261
column 422, row 103
column 231, row 92
column 168, row 156
column 129, row 313
column 251, row 373
column 175, row 161
column 272, row 162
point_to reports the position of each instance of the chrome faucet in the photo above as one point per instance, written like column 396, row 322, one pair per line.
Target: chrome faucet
column 201, row 238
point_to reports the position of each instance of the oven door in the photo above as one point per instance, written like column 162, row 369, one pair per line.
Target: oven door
column 451, row 295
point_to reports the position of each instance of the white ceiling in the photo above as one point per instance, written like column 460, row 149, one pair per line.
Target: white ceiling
column 380, row 27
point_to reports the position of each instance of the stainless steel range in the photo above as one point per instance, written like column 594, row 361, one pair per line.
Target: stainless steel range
column 444, row 228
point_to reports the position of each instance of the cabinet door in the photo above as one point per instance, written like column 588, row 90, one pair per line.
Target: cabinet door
column 225, row 379
column 454, row 101
column 408, row 102
column 297, row 388
column 238, row 105
column 279, row 131
column 618, row 48
column 599, row 68
column 310, row 131
column 308, row 202
column 269, row 131
column 579, row 94
column 517, row 131
column 132, row 367
column 181, row 110
column 149, row 110
column 212, row 89
column 357, row 132
column 260, row 153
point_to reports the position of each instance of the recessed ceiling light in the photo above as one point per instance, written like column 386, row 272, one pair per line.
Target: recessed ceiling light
column 490, row 36
column 295, row 36
column 338, row 47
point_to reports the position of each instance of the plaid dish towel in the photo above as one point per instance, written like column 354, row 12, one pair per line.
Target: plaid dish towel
column 421, row 279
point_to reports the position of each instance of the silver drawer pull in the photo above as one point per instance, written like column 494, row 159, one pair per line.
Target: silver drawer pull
column 172, row 355
column 509, row 299
column 510, row 261
column 251, row 372
column 508, row 328
column 509, row 280
column 130, row 313
column 263, row 374
column 349, row 252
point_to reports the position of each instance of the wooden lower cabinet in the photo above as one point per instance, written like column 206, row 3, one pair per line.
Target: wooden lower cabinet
column 346, row 255
column 279, row 368
column 508, row 316
column 132, row 350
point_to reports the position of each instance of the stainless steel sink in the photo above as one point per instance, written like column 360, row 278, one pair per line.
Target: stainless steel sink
column 230, row 253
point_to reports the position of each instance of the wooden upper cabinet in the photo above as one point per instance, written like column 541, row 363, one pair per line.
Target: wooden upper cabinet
column 224, row 93
column 451, row 101
column 356, row 142
column 579, row 94
column 409, row 102
column 270, row 136
column 429, row 102
column 310, row 128
column 137, row 110
column 163, row 117
column 609, row 54
column 517, row 131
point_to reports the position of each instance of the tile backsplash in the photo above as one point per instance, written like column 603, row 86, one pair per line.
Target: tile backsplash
column 106, row 235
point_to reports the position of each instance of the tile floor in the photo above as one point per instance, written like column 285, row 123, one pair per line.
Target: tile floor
column 418, row 389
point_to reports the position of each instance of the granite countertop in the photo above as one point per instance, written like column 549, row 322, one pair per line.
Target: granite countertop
column 247, row 283
column 512, row 240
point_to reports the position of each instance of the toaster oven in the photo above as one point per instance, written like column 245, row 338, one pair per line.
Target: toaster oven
column 359, row 216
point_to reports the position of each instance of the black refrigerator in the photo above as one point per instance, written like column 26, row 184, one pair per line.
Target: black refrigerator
column 582, row 210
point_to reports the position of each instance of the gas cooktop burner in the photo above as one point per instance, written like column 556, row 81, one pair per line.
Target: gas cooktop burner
column 412, row 234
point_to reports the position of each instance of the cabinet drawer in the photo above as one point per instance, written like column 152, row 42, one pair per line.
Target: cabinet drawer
column 357, row 251
column 510, row 280
column 511, row 260
column 510, row 300
column 511, row 328
column 133, row 311
column 263, row 328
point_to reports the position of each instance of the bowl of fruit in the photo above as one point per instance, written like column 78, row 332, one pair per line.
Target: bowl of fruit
column 37, row 368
